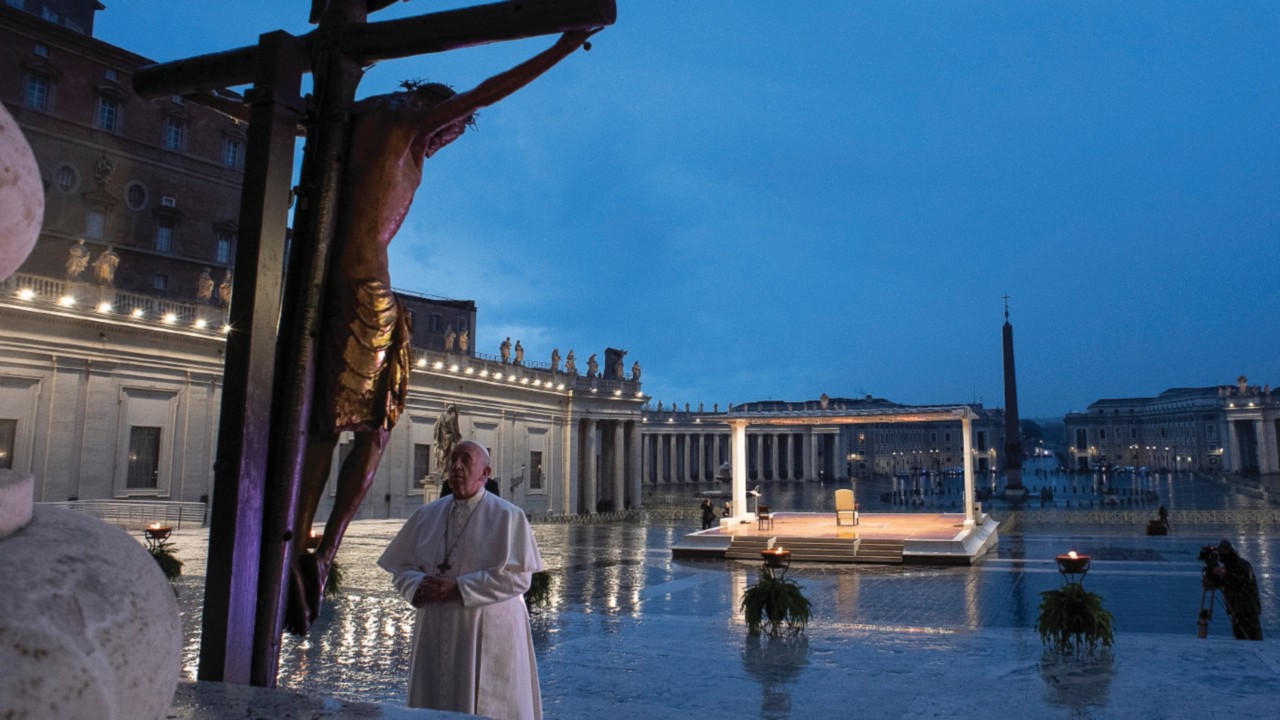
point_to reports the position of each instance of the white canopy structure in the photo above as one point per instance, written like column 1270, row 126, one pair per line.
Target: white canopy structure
column 738, row 422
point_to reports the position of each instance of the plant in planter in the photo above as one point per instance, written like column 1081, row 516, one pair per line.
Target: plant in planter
column 164, row 553
column 539, row 593
column 333, row 584
column 1073, row 620
column 774, row 602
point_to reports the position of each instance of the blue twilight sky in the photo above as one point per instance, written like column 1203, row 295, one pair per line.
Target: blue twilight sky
column 775, row 200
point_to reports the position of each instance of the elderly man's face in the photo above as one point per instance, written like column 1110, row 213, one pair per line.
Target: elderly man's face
column 468, row 470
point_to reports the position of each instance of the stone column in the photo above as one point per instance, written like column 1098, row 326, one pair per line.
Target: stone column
column 1231, row 449
column 590, row 478
column 791, row 458
column 706, row 469
column 776, row 444
column 809, row 449
column 685, row 465
column 643, row 466
column 671, row 457
column 738, row 448
column 759, row 456
column 841, row 460
column 619, row 466
column 635, row 484
column 966, row 429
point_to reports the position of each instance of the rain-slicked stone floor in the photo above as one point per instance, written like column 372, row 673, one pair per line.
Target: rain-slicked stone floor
column 633, row 633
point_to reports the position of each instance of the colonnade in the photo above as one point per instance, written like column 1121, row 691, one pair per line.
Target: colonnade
column 679, row 455
column 607, row 466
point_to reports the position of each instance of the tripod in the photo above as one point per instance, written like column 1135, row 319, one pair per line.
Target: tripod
column 1206, row 611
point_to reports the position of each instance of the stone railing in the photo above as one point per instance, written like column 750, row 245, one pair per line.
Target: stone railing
column 137, row 514
column 1139, row 518
column 86, row 299
column 537, row 374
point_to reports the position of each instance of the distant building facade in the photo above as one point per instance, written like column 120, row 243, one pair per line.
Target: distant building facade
column 106, row 405
column 1221, row 428
column 154, row 181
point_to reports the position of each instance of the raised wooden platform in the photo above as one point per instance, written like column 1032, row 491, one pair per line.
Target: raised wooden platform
column 893, row 538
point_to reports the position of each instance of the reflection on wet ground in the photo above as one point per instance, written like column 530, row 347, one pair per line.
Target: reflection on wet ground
column 622, row 606
column 1124, row 491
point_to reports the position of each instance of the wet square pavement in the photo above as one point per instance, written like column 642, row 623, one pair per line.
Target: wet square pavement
column 630, row 632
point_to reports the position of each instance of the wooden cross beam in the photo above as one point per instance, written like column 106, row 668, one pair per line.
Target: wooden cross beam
column 267, row 386
column 372, row 42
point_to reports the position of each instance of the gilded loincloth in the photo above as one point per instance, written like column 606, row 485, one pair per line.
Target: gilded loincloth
column 363, row 372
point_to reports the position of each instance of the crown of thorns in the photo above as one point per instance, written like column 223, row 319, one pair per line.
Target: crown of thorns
column 436, row 92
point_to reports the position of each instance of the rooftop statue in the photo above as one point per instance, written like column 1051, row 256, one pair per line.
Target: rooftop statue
column 104, row 268
column 77, row 260
column 224, row 289
column 204, row 286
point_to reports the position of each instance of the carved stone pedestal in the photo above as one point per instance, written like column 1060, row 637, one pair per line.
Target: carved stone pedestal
column 89, row 626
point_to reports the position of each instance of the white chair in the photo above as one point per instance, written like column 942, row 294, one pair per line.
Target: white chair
column 846, row 508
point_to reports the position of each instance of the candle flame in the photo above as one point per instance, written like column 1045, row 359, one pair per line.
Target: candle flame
column 1072, row 555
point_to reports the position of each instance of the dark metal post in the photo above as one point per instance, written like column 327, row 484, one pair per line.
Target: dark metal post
column 235, row 524
column 315, row 219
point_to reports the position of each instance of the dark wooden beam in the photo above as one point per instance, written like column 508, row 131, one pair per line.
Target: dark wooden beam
column 315, row 220
column 244, row 429
column 478, row 25
column 372, row 42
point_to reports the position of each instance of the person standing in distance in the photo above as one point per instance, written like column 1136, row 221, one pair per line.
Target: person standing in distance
column 465, row 561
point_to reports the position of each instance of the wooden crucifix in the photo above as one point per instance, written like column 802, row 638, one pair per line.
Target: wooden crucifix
column 281, row 347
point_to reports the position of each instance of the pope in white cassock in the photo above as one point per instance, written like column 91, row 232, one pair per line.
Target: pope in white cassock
column 465, row 561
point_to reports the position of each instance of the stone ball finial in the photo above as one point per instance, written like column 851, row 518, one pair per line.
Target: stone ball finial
column 21, row 196
column 90, row 624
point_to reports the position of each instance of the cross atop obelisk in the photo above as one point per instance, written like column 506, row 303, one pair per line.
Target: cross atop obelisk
column 262, row 435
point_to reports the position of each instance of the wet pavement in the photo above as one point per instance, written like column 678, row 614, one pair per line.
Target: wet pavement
column 630, row 632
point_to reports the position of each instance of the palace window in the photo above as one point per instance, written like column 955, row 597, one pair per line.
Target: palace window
column 437, row 323
column 135, row 196
column 232, row 152
column 66, row 179
column 160, row 281
column 8, row 435
column 38, row 92
column 223, row 254
column 144, row 458
column 108, row 117
column 421, row 461
column 175, row 133
column 164, row 235
column 94, row 223
column 535, row 470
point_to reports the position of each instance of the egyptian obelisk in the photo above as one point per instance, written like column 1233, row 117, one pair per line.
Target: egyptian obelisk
column 1012, row 432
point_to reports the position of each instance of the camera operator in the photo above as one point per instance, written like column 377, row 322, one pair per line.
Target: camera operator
column 1234, row 576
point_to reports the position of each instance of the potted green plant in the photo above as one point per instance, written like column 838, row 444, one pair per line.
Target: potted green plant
column 539, row 592
column 1073, row 620
column 775, row 603
column 163, row 552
